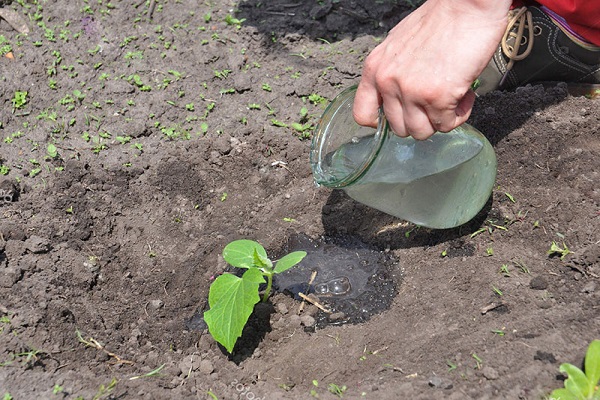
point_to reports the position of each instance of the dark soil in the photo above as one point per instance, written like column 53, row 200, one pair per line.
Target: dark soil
column 169, row 147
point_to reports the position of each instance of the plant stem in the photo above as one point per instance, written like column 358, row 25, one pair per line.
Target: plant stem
column 269, row 277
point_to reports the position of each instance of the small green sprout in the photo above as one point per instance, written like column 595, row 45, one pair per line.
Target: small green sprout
column 336, row 390
column 154, row 372
column 497, row 291
column 478, row 361
column 230, row 20
column 19, row 99
column 580, row 385
column 52, row 151
column 555, row 249
column 232, row 299
column 451, row 365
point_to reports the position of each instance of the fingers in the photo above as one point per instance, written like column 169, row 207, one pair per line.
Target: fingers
column 366, row 104
column 408, row 120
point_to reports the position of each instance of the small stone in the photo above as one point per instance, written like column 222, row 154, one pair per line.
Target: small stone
column 307, row 320
column 538, row 283
column 9, row 276
column 189, row 364
column 206, row 367
column 435, row 381
column 37, row 245
column 281, row 308
column 589, row 287
column 544, row 357
column 295, row 320
column 156, row 304
column 337, row 316
column 490, row 373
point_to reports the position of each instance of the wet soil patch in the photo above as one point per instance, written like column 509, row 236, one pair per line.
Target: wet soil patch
column 352, row 280
column 175, row 136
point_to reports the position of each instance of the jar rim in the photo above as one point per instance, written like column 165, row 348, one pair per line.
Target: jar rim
column 322, row 139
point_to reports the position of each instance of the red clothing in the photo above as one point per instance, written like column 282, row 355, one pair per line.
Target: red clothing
column 583, row 16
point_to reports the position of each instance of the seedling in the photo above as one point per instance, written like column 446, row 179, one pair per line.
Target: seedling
column 555, row 249
column 337, row 390
column 478, row 361
column 154, row 372
column 19, row 99
column 52, row 151
column 497, row 291
column 580, row 385
column 232, row 299
column 230, row 20
column 451, row 365
column 510, row 197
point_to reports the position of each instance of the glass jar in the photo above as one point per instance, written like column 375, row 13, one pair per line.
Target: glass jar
column 441, row 182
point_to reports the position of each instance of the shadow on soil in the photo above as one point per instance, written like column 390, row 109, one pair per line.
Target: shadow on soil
column 330, row 19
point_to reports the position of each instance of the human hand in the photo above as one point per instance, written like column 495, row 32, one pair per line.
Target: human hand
column 422, row 72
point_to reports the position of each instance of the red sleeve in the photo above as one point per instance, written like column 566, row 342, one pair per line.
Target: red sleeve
column 583, row 16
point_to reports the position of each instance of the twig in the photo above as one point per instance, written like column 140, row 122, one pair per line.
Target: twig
column 310, row 281
column 314, row 302
column 91, row 342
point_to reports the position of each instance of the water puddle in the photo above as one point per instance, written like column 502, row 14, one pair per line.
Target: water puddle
column 349, row 279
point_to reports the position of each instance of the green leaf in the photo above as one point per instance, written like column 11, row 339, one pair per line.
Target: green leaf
column 288, row 261
column 241, row 253
column 231, row 300
column 592, row 365
column 563, row 394
column 261, row 261
column 577, row 382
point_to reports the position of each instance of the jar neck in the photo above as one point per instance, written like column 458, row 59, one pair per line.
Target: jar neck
column 339, row 158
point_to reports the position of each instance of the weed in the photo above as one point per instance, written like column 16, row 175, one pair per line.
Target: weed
column 336, row 390
column 497, row 291
column 278, row 123
column 232, row 299
column 451, row 365
column 316, row 99
column 52, row 151
column 104, row 390
column 19, row 99
column 222, row 74
column 313, row 392
column 580, row 385
column 154, row 372
column 230, row 20
column 555, row 249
